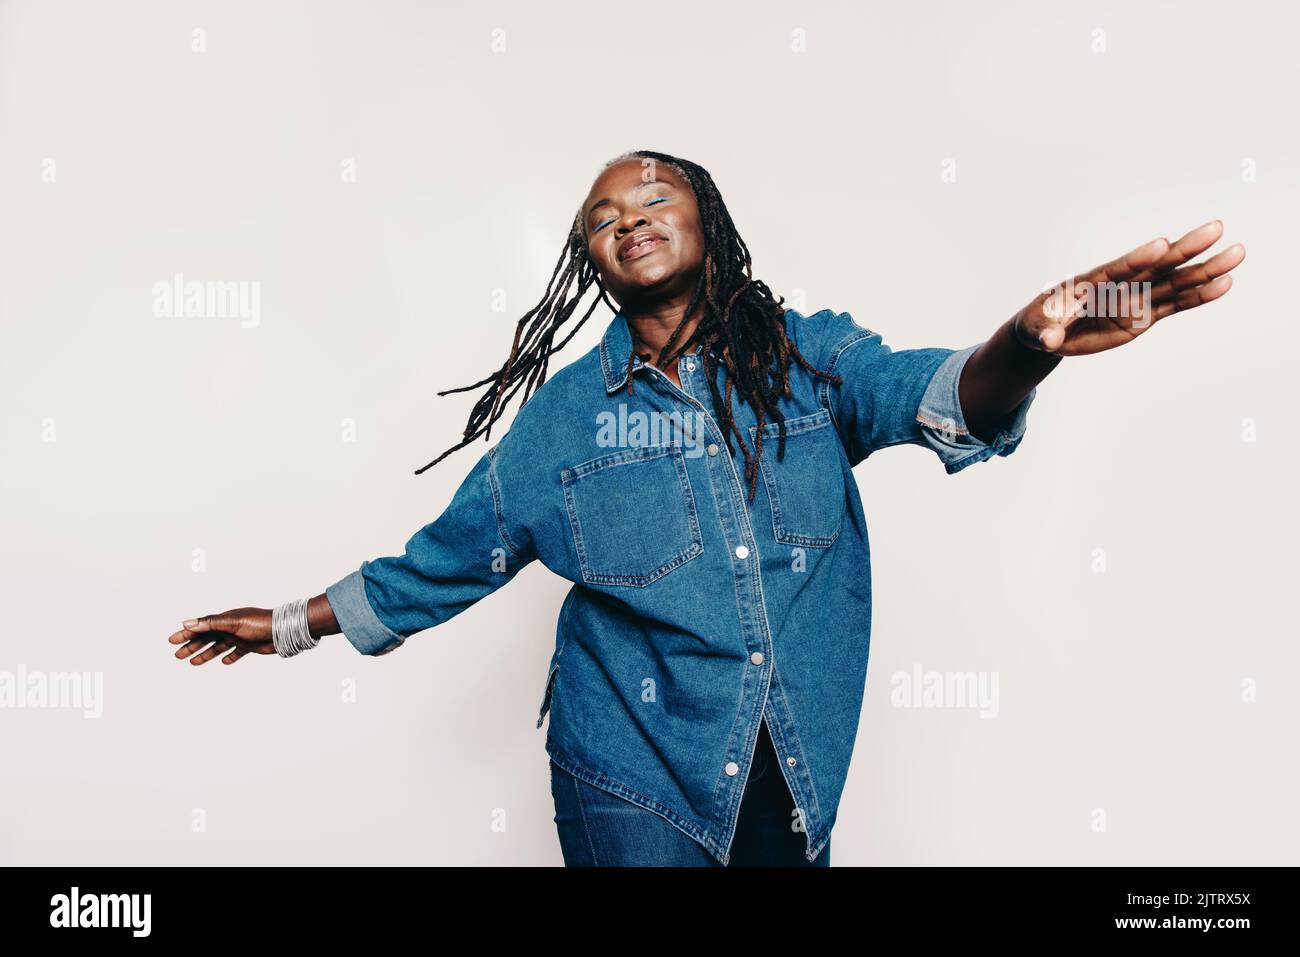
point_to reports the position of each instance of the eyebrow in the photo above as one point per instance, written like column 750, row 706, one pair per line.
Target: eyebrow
column 606, row 201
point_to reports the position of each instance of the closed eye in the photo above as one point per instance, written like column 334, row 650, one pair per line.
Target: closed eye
column 657, row 199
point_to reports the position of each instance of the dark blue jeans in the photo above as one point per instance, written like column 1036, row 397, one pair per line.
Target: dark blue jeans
column 601, row 829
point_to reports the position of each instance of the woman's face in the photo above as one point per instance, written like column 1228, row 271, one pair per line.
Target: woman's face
column 621, row 210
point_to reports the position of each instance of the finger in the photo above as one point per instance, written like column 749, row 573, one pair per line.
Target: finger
column 193, row 645
column 1197, row 296
column 217, row 648
column 206, row 623
column 234, row 656
column 194, row 642
column 1059, row 310
column 177, row 637
column 1189, row 247
column 1199, row 273
column 1053, row 335
column 1128, row 265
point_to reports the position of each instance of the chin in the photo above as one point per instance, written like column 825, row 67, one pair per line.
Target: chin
column 654, row 274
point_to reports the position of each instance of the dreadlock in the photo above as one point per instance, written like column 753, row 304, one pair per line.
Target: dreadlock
column 742, row 328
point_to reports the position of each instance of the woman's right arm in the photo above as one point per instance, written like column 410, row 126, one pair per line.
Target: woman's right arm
column 466, row 553
column 244, row 630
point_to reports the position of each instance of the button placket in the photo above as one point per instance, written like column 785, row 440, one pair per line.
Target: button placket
column 749, row 572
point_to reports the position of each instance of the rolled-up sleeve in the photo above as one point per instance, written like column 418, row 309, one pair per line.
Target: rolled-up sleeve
column 462, row 556
column 356, row 616
column 943, row 425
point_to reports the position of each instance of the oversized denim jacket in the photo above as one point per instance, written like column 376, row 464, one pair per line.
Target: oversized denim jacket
column 694, row 612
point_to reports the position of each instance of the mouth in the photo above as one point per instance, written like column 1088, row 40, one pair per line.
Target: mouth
column 638, row 245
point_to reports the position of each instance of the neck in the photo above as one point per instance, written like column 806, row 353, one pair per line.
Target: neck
column 652, row 326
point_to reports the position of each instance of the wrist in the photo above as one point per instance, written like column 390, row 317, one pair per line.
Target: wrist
column 320, row 617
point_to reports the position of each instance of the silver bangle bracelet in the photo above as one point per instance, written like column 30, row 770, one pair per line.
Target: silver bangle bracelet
column 289, row 631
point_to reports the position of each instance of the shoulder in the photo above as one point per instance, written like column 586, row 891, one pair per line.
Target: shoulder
column 569, row 390
column 569, row 396
column 821, row 337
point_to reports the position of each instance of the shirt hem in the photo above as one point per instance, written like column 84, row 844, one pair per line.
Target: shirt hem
column 619, row 789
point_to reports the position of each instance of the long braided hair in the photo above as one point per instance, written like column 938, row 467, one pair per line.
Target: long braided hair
column 742, row 328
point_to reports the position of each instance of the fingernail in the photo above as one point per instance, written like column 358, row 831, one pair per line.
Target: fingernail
column 189, row 622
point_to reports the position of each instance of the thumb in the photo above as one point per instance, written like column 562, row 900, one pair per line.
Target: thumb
column 206, row 623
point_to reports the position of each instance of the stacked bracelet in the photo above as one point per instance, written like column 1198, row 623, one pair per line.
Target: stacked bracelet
column 289, row 631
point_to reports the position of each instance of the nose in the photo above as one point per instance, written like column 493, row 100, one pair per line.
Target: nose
column 632, row 219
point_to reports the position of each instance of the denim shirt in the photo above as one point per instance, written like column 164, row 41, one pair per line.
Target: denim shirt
column 694, row 612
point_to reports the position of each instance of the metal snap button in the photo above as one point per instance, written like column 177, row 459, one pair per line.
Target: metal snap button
column 756, row 657
column 742, row 551
column 732, row 768
column 712, row 448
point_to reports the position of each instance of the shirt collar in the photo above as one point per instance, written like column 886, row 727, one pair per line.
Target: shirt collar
column 615, row 346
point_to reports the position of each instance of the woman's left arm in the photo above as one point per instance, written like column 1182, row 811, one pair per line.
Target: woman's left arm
column 1094, row 311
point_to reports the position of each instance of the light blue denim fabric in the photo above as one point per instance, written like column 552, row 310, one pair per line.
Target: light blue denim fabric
column 694, row 612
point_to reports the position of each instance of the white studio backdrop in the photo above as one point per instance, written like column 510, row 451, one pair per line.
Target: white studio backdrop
column 396, row 180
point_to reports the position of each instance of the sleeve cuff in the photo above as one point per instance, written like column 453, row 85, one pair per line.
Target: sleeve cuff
column 944, row 427
column 357, row 619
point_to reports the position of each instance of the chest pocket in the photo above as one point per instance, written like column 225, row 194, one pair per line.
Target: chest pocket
column 632, row 514
column 806, row 489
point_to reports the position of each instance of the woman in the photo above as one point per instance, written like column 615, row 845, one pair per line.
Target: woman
column 691, row 475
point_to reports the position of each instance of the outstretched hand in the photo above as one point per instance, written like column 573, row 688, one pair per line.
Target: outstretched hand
column 1118, row 301
column 239, row 631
